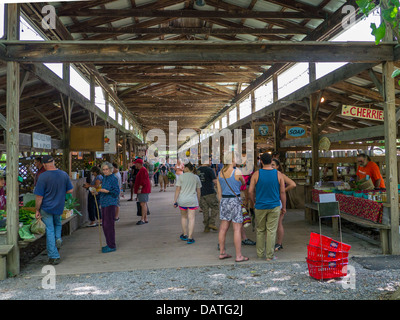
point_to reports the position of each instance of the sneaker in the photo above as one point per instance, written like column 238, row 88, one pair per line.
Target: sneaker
column 190, row 241
column 58, row 243
column 92, row 224
column 248, row 242
column 116, row 220
column 278, row 247
column 54, row 261
column 183, row 237
column 213, row 227
column 140, row 222
column 107, row 249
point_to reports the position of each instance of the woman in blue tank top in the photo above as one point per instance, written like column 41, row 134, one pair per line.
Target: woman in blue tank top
column 228, row 190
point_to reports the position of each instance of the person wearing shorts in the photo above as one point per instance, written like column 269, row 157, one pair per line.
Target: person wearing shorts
column 142, row 188
column 187, row 197
column 228, row 190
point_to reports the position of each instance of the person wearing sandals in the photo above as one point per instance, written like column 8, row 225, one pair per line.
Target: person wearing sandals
column 228, row 190
column 289, row 184
column 187, row 197
column 109, row 194
column 267, row 191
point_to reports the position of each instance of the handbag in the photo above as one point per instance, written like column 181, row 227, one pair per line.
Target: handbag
column 246, row 216
column 139, row 209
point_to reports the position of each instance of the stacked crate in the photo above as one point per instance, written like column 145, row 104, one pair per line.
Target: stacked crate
column 327, row 258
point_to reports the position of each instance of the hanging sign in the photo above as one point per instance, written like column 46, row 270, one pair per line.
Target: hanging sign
column 361, row 112
column 293, row 132
column 110, row 145
column 86, row 138
column 262, row 130
column 41, row 141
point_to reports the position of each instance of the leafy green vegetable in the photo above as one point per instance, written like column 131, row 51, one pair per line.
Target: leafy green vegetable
column 31, row 203
column 71, row 203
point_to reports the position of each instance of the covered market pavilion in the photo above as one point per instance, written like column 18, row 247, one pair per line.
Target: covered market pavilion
column 208, row 64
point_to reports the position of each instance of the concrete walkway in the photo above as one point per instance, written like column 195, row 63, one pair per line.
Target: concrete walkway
column 157, row 245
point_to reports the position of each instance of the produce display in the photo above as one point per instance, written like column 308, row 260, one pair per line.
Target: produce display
column 27, row 221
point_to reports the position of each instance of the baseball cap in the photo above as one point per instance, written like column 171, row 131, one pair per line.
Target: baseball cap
column 47, row 159
column 139, row 161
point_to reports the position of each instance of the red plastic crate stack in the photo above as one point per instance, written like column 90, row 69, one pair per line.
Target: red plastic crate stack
column 327, row 258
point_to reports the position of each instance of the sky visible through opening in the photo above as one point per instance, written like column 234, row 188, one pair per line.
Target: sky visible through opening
column 288, row 82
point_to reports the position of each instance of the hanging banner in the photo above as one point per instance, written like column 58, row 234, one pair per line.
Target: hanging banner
column 110, row 145
column 361, row 112
column 293, row 132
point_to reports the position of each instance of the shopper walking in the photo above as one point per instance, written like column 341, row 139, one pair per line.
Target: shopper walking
column 179, row 167
column 132, row 177
column 95, row 182
column 187, row 197
column 142, row 189
column 156, row 173
column 228, row 190
column 109, row 194
column 267, row 191
column 51, row 189
column 244, row 194
column 163, row 177
column 289, row 185
column 208, row 199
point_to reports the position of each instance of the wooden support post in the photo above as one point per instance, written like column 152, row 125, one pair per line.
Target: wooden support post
column 12, row 133
column 390, row 128
column 66, row 72
column 66, row 160
column 253, row 102
column 391, row 181
column 313, row 105
column 124, row 158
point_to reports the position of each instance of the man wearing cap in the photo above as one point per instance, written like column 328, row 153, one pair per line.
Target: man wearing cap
column 142, row 188
column 50, row 191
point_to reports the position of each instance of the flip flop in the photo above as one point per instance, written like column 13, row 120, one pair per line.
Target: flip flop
column 244, row 259
column 224, row 256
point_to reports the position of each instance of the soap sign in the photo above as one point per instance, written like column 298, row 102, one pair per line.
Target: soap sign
column 293, row 132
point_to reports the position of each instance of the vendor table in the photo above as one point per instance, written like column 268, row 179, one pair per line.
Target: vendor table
column 364, row 212
column 359, row 207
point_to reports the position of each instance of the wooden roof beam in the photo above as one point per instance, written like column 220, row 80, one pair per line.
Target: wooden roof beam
column 232, row 14
column 190, row 31
column 168, row 52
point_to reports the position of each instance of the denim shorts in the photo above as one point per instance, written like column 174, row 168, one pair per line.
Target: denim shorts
column 231, row 210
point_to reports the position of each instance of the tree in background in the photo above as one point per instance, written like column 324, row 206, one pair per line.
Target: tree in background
column 390, row 18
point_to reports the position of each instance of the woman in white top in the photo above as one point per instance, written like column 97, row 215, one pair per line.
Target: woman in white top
column 187, row 197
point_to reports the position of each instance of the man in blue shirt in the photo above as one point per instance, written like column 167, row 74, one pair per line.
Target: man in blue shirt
column 50, row 191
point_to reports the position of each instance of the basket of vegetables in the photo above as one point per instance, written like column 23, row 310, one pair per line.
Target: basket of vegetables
column 70, row 207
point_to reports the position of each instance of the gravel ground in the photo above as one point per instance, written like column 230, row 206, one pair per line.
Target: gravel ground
column 248, row 281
